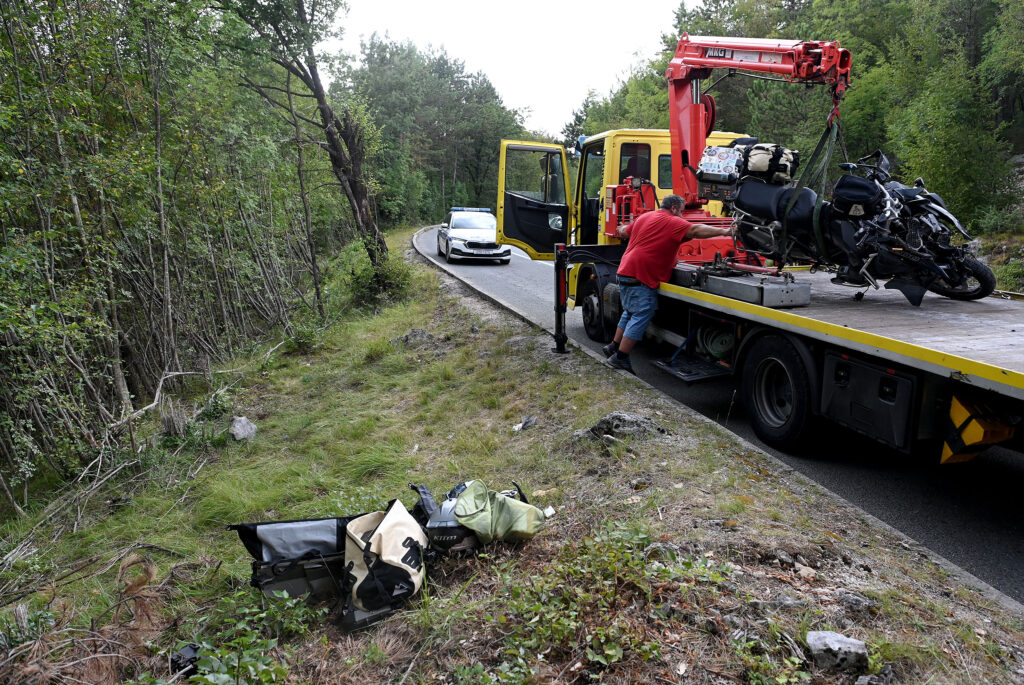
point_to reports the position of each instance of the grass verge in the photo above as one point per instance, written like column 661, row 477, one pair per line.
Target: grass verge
column 681, row 556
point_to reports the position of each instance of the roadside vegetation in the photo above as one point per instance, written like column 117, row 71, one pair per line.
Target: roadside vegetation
column 681, row 555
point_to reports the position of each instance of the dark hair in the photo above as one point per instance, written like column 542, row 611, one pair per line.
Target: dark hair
column 671, row 202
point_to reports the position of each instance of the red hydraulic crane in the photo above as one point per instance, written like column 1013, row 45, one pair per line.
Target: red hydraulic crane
column 692, row 115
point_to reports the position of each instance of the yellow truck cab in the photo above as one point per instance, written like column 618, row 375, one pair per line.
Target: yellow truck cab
column 536, row 212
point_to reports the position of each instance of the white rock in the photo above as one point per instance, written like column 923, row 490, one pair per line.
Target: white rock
column 834, row 652
column 242, row 428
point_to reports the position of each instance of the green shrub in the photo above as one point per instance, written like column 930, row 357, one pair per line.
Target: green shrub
column 369, row 287
column 996, row 220
column 303, row 340
column 1010, row 276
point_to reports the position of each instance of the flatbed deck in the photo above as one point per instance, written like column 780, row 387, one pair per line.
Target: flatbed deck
column 979, row 342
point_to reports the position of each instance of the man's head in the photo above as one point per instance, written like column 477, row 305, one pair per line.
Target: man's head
column 673, row 204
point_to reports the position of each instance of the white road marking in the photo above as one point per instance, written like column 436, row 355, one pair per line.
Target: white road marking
column 522, row 255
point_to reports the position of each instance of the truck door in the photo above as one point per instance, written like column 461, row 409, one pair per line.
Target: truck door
column 533, row 208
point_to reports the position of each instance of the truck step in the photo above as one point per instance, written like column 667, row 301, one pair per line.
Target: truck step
column 692, row 369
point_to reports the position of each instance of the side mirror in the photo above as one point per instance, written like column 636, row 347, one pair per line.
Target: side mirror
column 919, row 182
column 444, row 225
column 848, row 166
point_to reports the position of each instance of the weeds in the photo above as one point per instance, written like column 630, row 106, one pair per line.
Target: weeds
column 25, row 626
column 239, row 639
column 304, row 339
column 581, row 592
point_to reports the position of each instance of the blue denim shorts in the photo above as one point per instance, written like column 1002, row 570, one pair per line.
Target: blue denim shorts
column 639, row 302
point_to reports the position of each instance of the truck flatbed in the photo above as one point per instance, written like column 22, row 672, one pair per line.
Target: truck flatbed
column 979, row 342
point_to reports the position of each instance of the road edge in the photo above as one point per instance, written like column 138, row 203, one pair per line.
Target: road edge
column 988, row 591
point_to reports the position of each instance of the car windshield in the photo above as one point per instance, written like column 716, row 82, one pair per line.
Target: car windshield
column 474, row 220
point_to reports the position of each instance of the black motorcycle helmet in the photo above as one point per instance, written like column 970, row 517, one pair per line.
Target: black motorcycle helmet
column 445, row 533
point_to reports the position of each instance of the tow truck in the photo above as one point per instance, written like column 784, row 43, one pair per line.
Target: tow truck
column 947, row 378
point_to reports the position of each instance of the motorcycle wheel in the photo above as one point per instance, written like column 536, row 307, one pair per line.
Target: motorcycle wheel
column 979, row 283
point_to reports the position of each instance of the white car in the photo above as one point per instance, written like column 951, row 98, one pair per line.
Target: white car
column 471, row 233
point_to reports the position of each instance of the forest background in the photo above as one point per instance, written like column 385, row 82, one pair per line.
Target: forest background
column 177, row 180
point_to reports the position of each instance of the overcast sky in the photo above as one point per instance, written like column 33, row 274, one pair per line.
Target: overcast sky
column 541, row 55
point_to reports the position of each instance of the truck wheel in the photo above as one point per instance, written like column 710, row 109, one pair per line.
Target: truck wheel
column 593, row 313
column 776, row 392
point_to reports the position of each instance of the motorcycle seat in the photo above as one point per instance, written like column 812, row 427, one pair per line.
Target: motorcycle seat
column 908, row 194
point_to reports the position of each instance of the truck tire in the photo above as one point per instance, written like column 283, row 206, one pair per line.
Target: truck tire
column 980, row 282
column 593, row 313
column 776, row 392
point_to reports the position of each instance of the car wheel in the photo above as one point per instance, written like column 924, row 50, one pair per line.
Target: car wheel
column 448, row 254
column 440, row 252
column 505, row 261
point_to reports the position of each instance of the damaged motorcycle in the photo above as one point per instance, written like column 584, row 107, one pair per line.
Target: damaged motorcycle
column 875, row 229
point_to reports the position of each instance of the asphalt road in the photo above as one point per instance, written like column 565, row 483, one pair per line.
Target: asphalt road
column 967, row 513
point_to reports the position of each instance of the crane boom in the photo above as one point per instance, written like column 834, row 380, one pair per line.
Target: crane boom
column 692, row 115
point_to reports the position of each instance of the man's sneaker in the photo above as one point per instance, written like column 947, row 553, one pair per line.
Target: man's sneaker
column 609, row 349
column 617, row 362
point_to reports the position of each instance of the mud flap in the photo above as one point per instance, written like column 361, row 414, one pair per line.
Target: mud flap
column 912, row 290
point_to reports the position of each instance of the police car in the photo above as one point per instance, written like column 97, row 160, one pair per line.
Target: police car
column 471, row 233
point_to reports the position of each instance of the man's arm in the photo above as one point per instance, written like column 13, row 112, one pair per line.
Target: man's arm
column 623, row 230
column 705, row 231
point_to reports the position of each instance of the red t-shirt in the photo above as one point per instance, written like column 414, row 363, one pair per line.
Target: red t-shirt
column 654, row 241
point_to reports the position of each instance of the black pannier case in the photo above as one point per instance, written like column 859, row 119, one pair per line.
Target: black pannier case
column 854, row 196
column 298, row 557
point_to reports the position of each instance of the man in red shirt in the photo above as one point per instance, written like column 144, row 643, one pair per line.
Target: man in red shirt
column 654, row 241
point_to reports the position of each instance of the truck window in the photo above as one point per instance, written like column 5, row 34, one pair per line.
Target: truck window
column 634, row 160
column 593, row 172
column 665, row 172
column 535, row 174
column 592, row 185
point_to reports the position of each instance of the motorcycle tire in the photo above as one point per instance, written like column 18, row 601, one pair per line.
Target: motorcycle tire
column 980, row 282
